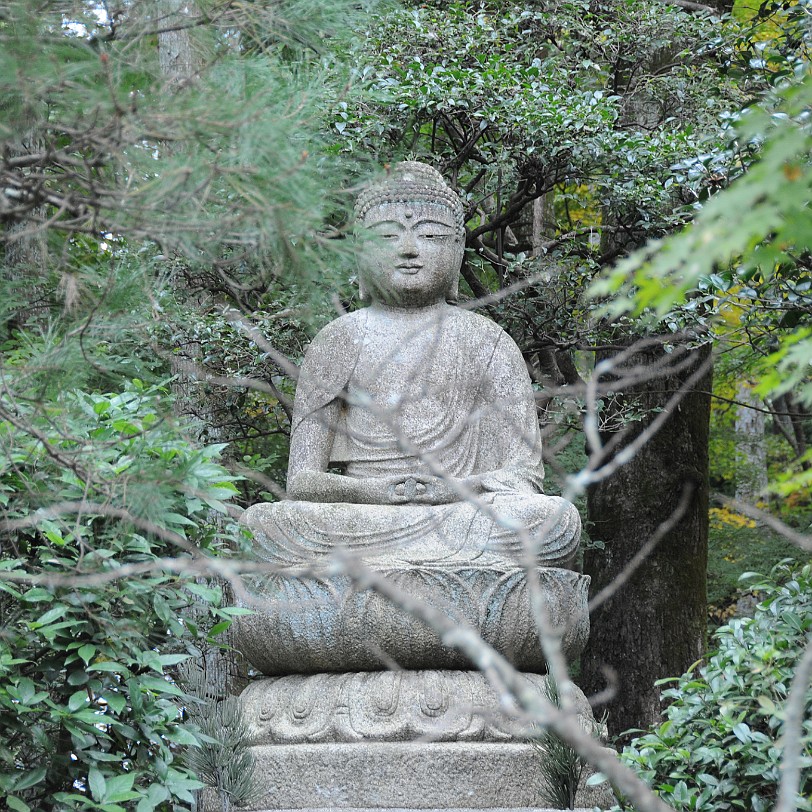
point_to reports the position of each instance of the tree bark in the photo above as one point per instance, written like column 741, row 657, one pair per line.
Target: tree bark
column 25, row 247
column 654, row 625
column 751, row 453
column 224, row 670
column 177, row 56
column 543, row 221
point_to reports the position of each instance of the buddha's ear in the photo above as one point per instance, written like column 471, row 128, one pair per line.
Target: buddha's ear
column 358, row 239
column 452, row 295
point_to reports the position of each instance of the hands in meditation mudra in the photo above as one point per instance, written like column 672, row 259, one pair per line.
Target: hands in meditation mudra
column 427, row 411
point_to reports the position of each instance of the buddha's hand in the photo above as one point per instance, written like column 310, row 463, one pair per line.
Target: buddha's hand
column 419, row 489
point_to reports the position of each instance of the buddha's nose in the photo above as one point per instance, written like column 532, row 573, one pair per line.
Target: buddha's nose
column 408, row 245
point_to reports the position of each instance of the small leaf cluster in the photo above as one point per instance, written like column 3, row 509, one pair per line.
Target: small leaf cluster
column 97, row 491
column 721, row 744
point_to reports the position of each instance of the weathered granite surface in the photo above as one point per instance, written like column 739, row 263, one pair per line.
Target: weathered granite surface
column 427, row 408
column 386, row 706
column 326, row 624
column 413, row 775
column 415, row 456
column 409, row 775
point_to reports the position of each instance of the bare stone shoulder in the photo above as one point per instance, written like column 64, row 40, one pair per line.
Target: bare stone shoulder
column 344, row 328
column 328, row 364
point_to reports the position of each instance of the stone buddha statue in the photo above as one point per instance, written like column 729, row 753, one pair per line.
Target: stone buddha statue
column 415, row 447
column 415, row 457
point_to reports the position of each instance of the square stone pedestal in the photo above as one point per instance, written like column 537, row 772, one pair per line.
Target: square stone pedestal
column 410, row 775
column 396, row 740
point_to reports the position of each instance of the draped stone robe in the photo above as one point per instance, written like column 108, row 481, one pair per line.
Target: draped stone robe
column 438, row 390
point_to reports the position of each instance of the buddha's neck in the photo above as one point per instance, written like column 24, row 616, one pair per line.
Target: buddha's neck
column 409, row 312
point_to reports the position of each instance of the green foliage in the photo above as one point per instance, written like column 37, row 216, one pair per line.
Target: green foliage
column 735, row 546
column 516, row 99
column 749, row 244
column 97, row 491
column 720, row 746
column 227, row 171
column 135, row 206
column 154, row 200
column 248, row 398
column 560, row 765
column 223, row 761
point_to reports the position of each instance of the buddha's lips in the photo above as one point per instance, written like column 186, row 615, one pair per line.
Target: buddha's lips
column 410, row 269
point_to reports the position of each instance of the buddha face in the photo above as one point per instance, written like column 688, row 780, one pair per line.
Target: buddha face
column 414, row 255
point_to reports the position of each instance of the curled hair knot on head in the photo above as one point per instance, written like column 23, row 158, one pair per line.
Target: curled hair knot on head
column 410, row 182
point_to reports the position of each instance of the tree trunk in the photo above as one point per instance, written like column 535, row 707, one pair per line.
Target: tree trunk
column 177, row 54
column 224, row 670
column 654, row 625
column 25, row 247
column 751, row 453
column 543, row 221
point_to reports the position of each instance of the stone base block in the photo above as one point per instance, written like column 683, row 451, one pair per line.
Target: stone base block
column 402, row 740
column 407, row 775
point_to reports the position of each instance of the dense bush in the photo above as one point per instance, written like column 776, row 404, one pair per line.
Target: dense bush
column 91, row 484
column 720, row 746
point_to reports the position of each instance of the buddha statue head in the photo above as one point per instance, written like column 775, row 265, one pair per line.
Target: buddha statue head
column 415, row 230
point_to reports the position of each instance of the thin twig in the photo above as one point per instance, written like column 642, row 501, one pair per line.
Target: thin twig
column 792, row 735
column 752, row 512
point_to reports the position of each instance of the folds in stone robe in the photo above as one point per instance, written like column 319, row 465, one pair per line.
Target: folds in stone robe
column 435, row 390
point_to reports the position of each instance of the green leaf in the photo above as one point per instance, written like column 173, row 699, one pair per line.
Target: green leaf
column 116, row 701
column 180, row 735
column 51, row 615
column 210, row 594
column 742, row 732
column 16, row 804
column 111, row 666
column 78, row 677
column 160, row 686
column 236, row 611
column 156, row 795
column 97, row 784
column 26, row 780
column 119, row 786
column 87, row 653
column 681, row 794
column 38, row 594
column 78, row 700
column 173, row 659
column 219, row 628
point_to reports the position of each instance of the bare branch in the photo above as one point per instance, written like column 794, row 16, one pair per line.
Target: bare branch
column 752, row 512
column 688, row 5
column 491, row 663
column 792, row 734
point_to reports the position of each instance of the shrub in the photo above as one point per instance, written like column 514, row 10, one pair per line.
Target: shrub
column 720, row 746
column 91, row 484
